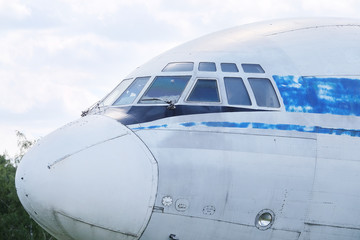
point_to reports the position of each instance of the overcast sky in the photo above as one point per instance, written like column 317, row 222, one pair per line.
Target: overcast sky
column 58, row 57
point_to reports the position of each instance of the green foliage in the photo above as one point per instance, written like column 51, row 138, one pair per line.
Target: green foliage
column 15, row 222
column 24, row 144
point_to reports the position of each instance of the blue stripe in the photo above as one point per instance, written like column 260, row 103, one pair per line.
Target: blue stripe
column 266, row 126
column 338, row 96
column 151, row 127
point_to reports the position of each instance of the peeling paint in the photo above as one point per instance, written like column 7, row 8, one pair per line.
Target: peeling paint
column 266, row 126
column 150, row 127
column 338, row 96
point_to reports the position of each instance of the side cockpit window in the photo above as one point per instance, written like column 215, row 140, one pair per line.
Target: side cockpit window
column 179, row 67
column 165, row 88
column 236, row 91
column 229, row 67
column 252, row 68
column 129, row 95
column 264, row 92
column 207, row 67
column 110, row 99
column 205, row 90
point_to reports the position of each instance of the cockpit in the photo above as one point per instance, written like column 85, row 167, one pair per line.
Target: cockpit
column 188, row 88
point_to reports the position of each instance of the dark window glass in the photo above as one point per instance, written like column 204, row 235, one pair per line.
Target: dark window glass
column 207, row 66
column 236, row 91
column 205, row 90
column 165, row 88
column 252, row 68
column 179, row 67
column 132, row 91
column 229, row 67
column 264, row 92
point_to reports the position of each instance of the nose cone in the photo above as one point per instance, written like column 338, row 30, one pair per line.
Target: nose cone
column 91, row 179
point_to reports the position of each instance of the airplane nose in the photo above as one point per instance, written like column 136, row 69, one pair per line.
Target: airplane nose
column 91, row 179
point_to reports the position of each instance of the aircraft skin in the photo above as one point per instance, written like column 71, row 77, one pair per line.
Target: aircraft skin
column 283, row 163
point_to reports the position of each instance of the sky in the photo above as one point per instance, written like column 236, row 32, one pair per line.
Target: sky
column 59, row 57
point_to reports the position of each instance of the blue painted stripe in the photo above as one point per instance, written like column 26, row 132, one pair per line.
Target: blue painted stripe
column 338, row 96
column 188, row 124
column 266, row 126
column 151, row 127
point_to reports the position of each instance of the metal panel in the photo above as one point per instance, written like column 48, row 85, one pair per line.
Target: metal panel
column 232, row 177
column 190, row 228
column 336, row 197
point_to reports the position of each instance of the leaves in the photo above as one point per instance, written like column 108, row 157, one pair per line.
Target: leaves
column 15, row 222
column 24, row 144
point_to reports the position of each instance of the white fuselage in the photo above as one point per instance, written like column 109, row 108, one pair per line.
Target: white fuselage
column 301, row 177
column 177, row 154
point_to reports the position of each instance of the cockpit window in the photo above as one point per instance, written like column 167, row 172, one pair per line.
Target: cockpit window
column 264, row 92
column 132, row 91
column 207, row 67
column 252, row 68
column 229, row 67
column 116, row 92
column 205, row 90
column 165, row 88
column 236, row 91
column 179, row 67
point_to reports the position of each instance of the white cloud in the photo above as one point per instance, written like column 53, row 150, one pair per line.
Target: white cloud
column 345, row 8
column 8, row 144
column 14, row 9
column 23, row 91
column 50, row 66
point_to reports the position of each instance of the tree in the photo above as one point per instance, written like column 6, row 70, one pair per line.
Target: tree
column 15, row 222
column 24, row 144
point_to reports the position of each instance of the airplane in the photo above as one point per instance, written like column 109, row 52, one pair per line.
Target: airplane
column 247, row 133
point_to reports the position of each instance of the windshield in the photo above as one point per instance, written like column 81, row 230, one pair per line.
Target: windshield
column 205, row 90
column 132, row 91
column 165, row 88
column 111, row 97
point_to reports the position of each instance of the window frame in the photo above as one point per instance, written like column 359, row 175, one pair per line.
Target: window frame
column 111, row 92
column 225, row 72
column 140, row 92
column 277, row 94
column 246, row 72
column 187, row 71
column 205, row 71
column 247, row 88
column 150, row 84
column 219, row 90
